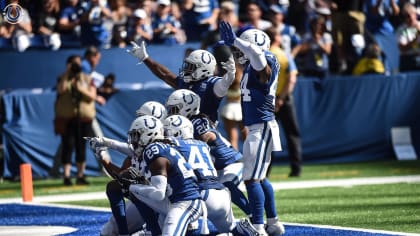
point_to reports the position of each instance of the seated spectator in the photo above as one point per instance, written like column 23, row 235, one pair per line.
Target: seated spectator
column 93, row 31
column 69, row 22
column 107, row 88
column 140, row 30
column 370, row 62
column 408, row 39
column 315, row 50
column 165, row 26
column 19, row 33
column 120, row 14
column 46, row 23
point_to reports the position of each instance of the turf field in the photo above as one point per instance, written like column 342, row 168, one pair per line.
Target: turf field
column 391, row 207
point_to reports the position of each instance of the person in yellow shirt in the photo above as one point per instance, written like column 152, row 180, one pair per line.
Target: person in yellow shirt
column 370, row 62
column 285, row 108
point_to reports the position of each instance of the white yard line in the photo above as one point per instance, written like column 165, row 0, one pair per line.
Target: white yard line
column 353, row 229
column 277, row 186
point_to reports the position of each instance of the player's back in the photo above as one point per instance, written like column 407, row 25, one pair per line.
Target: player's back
column 221, row 149
column 182, row 182
column 209, row 104
column 258, row 98
column 198, row 156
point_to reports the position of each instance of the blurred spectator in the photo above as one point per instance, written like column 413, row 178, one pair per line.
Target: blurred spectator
column 315, row 49
column 69, row 22
column 74, row 112
column 93, row 30
column 347, row 19
column 91, row 59
column 107, row 88
column 46, row 23
column 19, row 33
column 199, row 17
column 370, row 62
column 140, row 30
column 299, row 15
column 165, row 26
column 120, row 14
column 378, row 14
column 211, row 39
column 408, row 39
column 285, row 110
column 378, row 23
column 254, row 15
column 289, row 37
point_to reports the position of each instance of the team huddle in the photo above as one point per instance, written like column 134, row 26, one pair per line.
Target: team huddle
column 179, row 168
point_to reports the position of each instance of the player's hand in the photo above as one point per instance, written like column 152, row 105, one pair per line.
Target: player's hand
column 130, row 176
column 226, row 33
column 99, row 153
column 95, row 142
column 139, row 51
column 229, row 65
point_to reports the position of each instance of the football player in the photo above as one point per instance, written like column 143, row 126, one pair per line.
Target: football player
column 196, row 74
column 128, row 220
column 173, row 191
column 258, row 92
column 197, row 154
column 227, row 160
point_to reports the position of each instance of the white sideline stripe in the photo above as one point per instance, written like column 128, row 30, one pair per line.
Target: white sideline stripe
column 343, row 182
column 277, row 186
column 353, row 229
column 346, row 182
column 35, row 230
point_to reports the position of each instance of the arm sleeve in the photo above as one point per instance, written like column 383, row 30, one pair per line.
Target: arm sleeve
column 221, row 86
column 253, row 53
column 122, row 147
column 156, row 190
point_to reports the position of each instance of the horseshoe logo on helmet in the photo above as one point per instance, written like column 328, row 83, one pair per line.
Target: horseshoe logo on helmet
column 256, row 40
column 155, row 112
column 204, row 59
column 150, row 126
column 186, row 100
column 177, row 122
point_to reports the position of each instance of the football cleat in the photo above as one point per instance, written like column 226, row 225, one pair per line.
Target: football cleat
column 275, row 229
column 246, row 228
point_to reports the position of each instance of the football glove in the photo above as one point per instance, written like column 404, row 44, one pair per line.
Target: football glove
column 99, row 153
column 95, row 142
column 131, row 176
column 226, row 33
column 229, row 66
column 139, row 51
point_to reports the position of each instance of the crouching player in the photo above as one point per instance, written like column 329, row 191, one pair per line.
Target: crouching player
column 197, row 154
column 227, row 160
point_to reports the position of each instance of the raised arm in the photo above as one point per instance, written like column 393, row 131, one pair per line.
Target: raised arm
column 162, row 72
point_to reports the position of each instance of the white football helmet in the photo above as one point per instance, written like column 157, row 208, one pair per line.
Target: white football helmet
column 183, row 102
column 256, row 37
column 179, row 127
column 197, row 66
column 144, row 130
column 152, row 108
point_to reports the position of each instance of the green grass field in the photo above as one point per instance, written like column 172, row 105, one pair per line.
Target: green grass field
column 394, row 207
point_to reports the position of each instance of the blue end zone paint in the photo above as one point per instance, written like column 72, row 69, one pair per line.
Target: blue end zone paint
column 89, row 222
